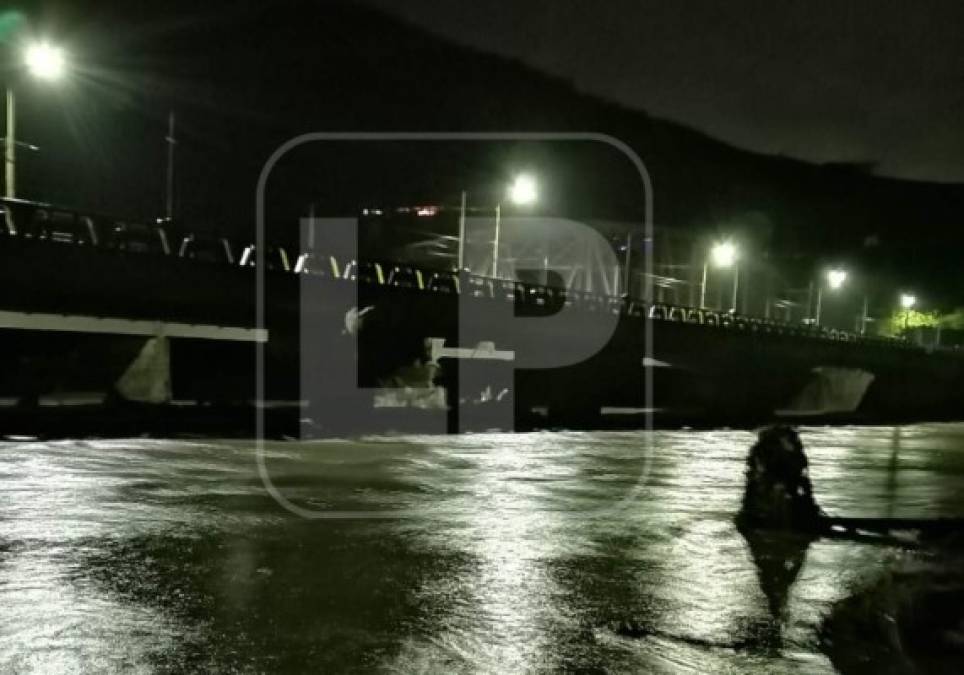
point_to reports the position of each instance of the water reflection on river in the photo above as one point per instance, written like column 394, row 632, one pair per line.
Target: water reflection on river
column 514, row 553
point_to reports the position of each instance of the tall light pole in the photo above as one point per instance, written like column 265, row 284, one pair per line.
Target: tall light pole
column 495, row 241
column 523, row 191
column 627, row 274
column 169, row 196
column 9, row 148
column 736, row 286
column 45, row 62
column 461, row 262
column 723, row 255
column 907, row 301
column 835, row 279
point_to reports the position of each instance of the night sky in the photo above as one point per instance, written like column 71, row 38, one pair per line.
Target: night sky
column 866, row 81
column 854, row 85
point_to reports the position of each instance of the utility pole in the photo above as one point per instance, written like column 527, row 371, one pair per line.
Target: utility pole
column 769, row 297
column 461, row 252
column 703, row 286
column 9, row 148
column 627, row 274
column 736, row 286
column 495, row 241
column 311, row 227
column 169, row 201
column 810, row 302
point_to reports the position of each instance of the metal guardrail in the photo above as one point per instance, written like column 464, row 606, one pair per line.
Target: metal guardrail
column 59, row 226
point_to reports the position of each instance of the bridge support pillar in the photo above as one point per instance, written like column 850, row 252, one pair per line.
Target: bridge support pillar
column 148, row 377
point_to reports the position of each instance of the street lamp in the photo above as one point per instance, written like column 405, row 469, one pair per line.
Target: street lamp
column 45, row 62
column 835, row 279
column 907, row 301
column 724, row 255
column 522, row 191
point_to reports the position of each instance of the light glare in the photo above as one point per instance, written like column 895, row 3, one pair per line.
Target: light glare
column 724, row 254
column 45, row 61
column 907, row 300
column 523, row 190
column 836, row 278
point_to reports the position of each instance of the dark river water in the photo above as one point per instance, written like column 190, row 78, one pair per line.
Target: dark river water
column 483, row 553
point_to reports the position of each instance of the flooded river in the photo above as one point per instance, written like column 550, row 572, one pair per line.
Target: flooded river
column 481, row 553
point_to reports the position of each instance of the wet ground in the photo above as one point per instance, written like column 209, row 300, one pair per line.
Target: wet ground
column 480, row 553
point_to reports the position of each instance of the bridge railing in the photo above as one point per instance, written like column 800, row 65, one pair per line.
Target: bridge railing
column 60, row 226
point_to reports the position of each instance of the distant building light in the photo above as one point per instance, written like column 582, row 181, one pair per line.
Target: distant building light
column 426, row 210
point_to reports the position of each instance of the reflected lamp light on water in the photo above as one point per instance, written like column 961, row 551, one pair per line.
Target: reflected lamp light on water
column 44, row 61
column 724, row 254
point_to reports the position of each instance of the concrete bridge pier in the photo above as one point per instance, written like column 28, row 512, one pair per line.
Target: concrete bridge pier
column 144, row 378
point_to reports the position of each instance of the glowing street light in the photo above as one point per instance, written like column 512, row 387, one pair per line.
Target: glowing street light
column 724, row 255
column 835, row 279
column 523, row 190
column 45, row 62
column 907, row 301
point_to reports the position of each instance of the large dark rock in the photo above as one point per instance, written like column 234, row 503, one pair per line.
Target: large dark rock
column 778, row 493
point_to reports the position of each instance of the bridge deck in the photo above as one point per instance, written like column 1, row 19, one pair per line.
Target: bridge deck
column 73, row 323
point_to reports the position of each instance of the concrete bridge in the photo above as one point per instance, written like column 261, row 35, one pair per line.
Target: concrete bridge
column 187, row 300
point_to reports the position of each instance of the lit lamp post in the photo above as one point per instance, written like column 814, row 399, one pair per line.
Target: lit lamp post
column 907, row 302
column 523, row 191
column 862, row 324
column 723, row 255
column 44, row 62
column 835, row 279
